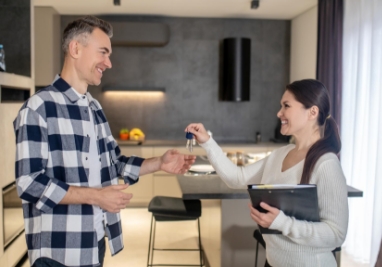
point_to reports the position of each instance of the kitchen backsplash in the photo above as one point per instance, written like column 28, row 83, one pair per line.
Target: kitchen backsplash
column 188, row 68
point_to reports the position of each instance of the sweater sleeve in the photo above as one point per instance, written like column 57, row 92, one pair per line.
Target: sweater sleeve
column 333, row 205
column 234, row 176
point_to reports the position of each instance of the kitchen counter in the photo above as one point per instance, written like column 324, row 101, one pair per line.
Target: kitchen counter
column 174, row 143
column 212, row 187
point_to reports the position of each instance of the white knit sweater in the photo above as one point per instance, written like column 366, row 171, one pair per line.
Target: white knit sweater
column 302, row 243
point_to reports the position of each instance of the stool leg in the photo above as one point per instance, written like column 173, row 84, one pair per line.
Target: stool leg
column 153, row 245
column 151, row 231
column 257, row 252
column 200, row 245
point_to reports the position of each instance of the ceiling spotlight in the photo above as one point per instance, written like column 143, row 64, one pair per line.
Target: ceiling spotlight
column 255, row 4
column 117, row 2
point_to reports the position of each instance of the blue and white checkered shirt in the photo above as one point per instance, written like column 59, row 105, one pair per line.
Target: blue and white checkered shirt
column 52, row 154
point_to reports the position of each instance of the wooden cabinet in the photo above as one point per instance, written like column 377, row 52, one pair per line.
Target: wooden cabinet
column 142, row 190
column 165, row 184
column 19, row 59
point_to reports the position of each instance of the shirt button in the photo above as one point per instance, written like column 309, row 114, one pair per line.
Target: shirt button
column 86, row 158
column 83, row 97
column 88, row 135
column 86, row 111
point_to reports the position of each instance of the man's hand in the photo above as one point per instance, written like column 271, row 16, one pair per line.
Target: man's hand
column 264, row 219
column 174, row 162
column 112, row 199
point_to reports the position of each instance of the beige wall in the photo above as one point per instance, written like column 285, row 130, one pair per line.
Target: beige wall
column 48, row 47
column 304, row 45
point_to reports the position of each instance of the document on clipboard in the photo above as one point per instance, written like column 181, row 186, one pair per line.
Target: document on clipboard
column 298, row 201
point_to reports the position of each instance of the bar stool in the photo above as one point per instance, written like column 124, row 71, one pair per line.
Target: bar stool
column 259, row 238
column 166, row 209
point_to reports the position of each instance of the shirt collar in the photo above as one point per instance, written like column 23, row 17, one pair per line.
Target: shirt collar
column 62, row 86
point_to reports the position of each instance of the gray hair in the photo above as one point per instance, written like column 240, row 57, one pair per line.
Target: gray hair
column 81, row 28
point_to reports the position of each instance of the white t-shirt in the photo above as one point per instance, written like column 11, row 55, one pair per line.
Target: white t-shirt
column 94, row 170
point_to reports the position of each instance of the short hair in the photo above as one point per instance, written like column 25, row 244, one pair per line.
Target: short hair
column 81, row 28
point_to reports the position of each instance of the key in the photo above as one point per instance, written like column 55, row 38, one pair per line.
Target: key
column 189, row 144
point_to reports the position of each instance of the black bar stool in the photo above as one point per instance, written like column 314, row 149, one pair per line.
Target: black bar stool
column 166, row 209
column 259, row 238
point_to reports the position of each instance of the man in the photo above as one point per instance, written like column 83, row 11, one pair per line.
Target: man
column 68, row 163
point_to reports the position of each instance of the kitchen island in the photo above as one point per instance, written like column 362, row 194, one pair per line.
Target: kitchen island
column 164, row 184
column 227, row 229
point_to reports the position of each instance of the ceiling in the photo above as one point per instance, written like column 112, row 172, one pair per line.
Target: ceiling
column 268, row 9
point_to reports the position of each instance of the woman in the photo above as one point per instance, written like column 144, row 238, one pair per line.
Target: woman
column 304, row 114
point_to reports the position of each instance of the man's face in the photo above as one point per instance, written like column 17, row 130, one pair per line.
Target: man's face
column 94, row 57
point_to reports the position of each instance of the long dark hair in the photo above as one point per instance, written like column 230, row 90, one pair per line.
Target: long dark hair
column 313, row 93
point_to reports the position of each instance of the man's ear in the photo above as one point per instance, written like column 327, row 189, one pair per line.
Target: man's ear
column 313, row 112
column 74, row 49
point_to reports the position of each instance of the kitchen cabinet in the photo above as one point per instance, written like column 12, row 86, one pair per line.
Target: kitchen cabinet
column 165, row 184
column 8, row 112
column 143, row 190
column 19, row 61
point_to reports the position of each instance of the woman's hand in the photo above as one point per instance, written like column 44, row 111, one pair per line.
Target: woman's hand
column 264, row 219
column 198, row 130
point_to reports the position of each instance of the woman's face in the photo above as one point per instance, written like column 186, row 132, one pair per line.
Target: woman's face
column 293, row 115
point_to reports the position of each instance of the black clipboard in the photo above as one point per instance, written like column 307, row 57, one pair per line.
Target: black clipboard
column 298, row 201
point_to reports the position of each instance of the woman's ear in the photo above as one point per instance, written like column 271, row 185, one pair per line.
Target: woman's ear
column 313, row 112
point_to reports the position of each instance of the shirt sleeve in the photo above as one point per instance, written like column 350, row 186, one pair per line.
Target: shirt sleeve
column 33, row 185
column 127, row 167
column 331, row 231
column 234, row 176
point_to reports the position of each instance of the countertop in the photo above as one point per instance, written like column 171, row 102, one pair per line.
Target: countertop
column 175, row 143
column 212, row 187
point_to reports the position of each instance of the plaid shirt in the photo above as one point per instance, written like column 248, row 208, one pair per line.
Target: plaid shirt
column 52, row 153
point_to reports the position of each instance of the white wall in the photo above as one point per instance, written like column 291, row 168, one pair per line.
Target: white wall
column 304, row 45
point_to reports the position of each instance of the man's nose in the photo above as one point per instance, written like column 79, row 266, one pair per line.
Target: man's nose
column 108, row 63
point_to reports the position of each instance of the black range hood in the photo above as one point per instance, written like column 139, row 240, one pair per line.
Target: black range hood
column 236, row 69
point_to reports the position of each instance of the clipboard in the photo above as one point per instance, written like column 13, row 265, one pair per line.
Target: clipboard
column 298, row 201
